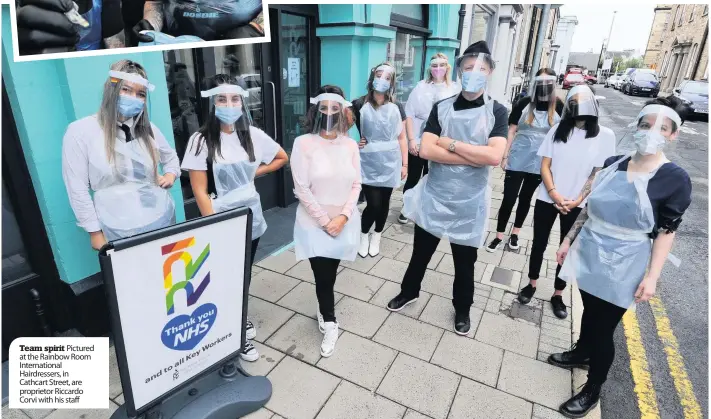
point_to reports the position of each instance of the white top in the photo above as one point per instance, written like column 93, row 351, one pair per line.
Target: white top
column 265, row 149
column 85, row 164
column 573, row 161
column 422, row 99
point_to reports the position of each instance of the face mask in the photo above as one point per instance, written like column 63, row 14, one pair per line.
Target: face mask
column 649, row 142
column 228, row 114
column 473, row 81
column 543, row 93
column 130, row 106
column 438, row 72
column 381, row 85
column 334, row 119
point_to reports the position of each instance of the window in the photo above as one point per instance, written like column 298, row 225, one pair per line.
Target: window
column 406, row 53
column 692, row 60
column 706, row 10
column 676, row 15
column 691, row 14
column 681, row 15
column 481, row 20
column 663, row 68
column 412, row 11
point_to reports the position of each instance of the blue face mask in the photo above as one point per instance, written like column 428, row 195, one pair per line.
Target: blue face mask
column 228, row 114
column 130, row 106
column 381, row 85
column 473, row 81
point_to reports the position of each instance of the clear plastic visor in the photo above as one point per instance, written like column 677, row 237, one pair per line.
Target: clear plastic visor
column 581, row 101
column 542, row 89
column 655, row 123
column 481, row 63
column 230, row 108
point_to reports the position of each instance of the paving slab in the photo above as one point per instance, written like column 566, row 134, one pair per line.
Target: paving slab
column 409, row 335
column 440, row 312
column 299, row 338
column 279, row 263
column 402, row 233
column 405, row 255
column 267, row 317
column 358, row 317
column 13, row 414
column 259, row 414
column 437, row 283
column 468, row 357
column 580, row 377
column 389, row 248
column 444, row 246
column 431, row 389
column 271, row 286
column 350, row 401
column 390, row 269
column 505, row 333
column 302, row 271
column 521, row 376
column 299, row 390
column 83, row 413
column 361, row 264
column 302, row 299
column 357, row 284
column 542, row 412
column 477, row 401
column 268, row 359
column 37, row 413
column 412, row 414
column 513, row 261
column 493, row 258
column 390, row 289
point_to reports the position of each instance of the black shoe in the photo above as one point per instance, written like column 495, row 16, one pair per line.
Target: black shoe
column 462, row 323
column 582, row 403
column 559, row 307
column 494, row 245
column 513, row 242
column 574, row 358
column 526, row 293
column 402, row 219
column 399, row 302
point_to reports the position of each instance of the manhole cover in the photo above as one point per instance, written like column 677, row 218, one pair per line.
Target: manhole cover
column 525, row 312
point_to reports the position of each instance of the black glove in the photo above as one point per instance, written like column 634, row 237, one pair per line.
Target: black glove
column 42, row 24
column 143, row 25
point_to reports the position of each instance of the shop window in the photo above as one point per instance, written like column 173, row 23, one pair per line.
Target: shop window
column 405, row 52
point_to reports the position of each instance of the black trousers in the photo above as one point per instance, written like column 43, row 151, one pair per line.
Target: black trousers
column 417, row 167
column 325, row 271
column 377, row 205
column 597, row 329
column 464, row 258
column 255, row 244
column 519, row 185
column 544, row 215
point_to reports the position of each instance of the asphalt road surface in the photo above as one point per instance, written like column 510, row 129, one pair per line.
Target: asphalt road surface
column 674, row 331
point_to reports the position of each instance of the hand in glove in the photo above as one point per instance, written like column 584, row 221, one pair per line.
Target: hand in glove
column 42, row 24
column 143, row 25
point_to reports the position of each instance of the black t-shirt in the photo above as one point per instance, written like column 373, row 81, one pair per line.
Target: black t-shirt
column 501, row 128
column 521, row 104
column 111, row 17
column 669, row 192
column 358, row 103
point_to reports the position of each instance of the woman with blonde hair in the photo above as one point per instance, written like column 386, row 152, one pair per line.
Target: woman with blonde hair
column 115, row 154
column 436, row 86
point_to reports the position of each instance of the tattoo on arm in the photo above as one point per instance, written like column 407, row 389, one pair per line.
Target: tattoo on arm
column 115, row 41
column 588, row 183
column 153, row 12
column 578, row 225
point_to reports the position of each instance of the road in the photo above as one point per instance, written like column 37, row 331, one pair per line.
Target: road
column 681, row 311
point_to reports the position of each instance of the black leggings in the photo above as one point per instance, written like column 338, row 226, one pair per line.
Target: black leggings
column 464, row 257
column 325, row 271
column 521, row 185
column 597, row 329
column 417, row 167
column 544, row 215
column 377, row 200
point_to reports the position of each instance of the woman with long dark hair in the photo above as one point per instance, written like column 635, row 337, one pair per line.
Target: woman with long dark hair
column 573, row 151
column 224, row 157
column 325, row 164
column 383, row 152
column 608, row 251
column 530, row 120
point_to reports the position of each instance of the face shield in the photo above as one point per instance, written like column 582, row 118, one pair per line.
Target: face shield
column 651, row 131
column 581, row 102
column 383, row 79
column 331, row 114
column 542, row 89
column 228, row 103
column 474, row 71
column 438, row 69
column 133, row 94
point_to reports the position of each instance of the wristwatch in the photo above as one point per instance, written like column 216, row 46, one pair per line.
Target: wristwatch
column 451, row 146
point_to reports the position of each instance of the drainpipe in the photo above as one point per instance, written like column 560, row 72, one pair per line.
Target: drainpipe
column 460, row 28
column 539, row 40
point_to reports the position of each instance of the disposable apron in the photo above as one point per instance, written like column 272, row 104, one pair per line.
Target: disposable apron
column 452, row 201
column 208, row 19
column 312, row 240
column 380, row 159
column 234, row 183
column 90, row 37
column 610, row 255
column 128, row 201
column 426, row 98
column 523, row 155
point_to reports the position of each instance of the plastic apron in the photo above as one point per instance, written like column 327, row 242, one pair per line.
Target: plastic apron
column 90, row 37
column 453, row 201
column 380, row 159
column 208, row 19
column 609, row 258
column 431, row 93
column 523, row 155
column 234, row 183
column 128, row 201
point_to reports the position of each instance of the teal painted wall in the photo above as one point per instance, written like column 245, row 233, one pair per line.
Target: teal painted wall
column 45, row 97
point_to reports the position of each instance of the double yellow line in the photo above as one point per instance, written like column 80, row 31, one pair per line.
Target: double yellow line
column 643, row 387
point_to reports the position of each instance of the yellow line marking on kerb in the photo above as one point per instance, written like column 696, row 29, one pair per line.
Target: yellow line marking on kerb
column 683, row 385
column 646, row 396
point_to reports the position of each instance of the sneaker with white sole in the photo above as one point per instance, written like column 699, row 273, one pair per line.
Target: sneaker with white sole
column 364, row 244
column 374, row 249
column 330, row 336
column 494, row 245
column 249, row 352
column 513, row 242
column 319, row 317
column 251, row 331
column 402, row 219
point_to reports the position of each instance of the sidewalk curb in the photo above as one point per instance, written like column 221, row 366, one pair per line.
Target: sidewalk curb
column 580, row 375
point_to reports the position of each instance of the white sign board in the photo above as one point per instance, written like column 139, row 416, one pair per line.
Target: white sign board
column 607, row 64
column 180, row 305
column 294, row 70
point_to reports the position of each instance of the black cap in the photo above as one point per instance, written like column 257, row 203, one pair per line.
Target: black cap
column 478, row 47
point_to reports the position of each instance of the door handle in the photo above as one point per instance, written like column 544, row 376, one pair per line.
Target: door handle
column 274, row 107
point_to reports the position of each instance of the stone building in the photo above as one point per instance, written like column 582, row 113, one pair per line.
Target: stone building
column 684, row 52
column 564, row 39
column 662, row 14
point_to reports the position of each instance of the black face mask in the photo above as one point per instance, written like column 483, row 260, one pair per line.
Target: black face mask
column 544, row 92
column 335, row 119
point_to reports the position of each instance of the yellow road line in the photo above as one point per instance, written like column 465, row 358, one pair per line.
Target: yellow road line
column 646, row 396
column 683, row 385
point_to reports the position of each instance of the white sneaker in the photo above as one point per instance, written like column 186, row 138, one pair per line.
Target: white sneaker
column 249, row 352
column 374, row 249
column 364, row 243
column 319, row 317
column 251, row 331
column 328, row 345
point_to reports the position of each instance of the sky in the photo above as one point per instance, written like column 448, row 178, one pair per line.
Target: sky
column 631, row 30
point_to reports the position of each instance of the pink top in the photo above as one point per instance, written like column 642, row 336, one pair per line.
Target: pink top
column 326, row 176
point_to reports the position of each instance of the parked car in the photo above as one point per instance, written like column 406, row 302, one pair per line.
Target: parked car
column 620, row 81
column 610, row 81
column 695, row 93
column 641, row 83
column 573, row 79
column 590, row 79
